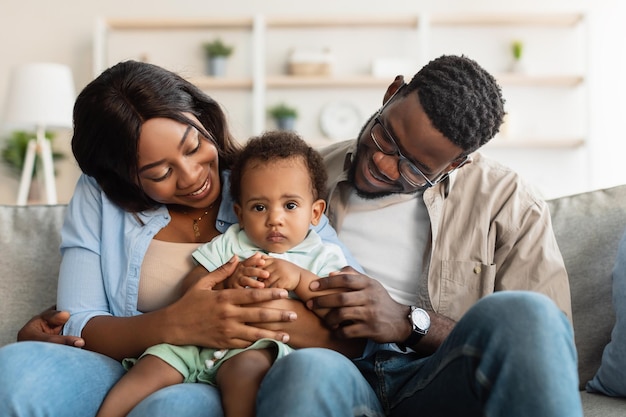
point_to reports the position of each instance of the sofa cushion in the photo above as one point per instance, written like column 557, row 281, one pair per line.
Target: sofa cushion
column 588, row 228
column 29, row 263
column 611, row 377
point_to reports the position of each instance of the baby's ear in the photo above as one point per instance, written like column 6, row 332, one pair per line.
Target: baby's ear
column 239, row 213
column 317, row 209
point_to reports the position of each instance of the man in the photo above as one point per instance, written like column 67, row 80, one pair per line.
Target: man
column 442, row 234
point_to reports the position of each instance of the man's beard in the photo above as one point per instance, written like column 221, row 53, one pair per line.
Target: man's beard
column 358, row 155
column 367, row 195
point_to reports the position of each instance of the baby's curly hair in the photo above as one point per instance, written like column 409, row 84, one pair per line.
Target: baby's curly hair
column 275, row 145
column 462, row 100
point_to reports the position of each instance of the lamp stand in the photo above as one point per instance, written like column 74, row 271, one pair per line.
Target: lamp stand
column 39, row 146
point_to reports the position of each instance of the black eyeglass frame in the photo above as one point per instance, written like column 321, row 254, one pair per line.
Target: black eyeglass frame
column 406, row 168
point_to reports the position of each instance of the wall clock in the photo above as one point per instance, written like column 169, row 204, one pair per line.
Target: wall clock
column 340, row 120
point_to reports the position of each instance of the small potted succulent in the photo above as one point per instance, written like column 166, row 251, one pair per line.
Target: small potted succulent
column 217, row 53
column 284, row 116
column 517, row 49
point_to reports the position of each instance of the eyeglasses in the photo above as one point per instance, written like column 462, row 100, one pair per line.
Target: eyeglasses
column 384, row 141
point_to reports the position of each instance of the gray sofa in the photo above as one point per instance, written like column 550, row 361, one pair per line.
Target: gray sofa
column 588, row 227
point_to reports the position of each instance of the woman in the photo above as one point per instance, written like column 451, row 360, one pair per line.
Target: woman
column 155, row 153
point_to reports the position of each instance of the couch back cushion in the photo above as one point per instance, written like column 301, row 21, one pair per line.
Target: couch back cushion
column 29, row 263
column 588, row 228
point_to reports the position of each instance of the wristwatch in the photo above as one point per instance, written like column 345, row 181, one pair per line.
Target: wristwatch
column 420, row 323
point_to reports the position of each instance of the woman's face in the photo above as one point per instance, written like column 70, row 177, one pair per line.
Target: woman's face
column 177, row 164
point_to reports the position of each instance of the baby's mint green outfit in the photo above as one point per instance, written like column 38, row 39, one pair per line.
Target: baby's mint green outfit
column 190, row 360
column 312, row 254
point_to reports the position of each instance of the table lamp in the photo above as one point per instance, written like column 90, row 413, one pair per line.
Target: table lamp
column 40, row 96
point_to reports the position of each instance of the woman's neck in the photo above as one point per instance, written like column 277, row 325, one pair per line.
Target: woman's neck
column 190, row 225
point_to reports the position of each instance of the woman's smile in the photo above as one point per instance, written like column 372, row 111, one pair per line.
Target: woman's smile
column 201, row 191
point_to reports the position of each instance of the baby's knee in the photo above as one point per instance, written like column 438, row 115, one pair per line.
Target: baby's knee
column 247, row 363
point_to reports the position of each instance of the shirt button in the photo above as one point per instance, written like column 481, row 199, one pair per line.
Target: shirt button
column 477, row 269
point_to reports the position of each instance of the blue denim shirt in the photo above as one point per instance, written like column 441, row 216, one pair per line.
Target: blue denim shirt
column 103, row 247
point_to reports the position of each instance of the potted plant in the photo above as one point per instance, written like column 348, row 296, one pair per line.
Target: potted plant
column 517, row 49
column 14, row 153
column 284, row 116
column 217, row 53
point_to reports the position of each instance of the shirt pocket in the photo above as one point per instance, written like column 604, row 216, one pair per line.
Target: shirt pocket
column 462, row 284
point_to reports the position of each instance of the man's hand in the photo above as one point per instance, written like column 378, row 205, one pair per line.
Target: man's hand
column 46, row 327
column 365, row 310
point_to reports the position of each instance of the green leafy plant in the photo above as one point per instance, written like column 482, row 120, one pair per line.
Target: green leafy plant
column 15, row 147
column 282, row 110
column 217, row 48
column 517, row 47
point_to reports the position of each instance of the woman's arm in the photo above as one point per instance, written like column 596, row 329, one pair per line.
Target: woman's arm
column 202, row 316
column 309, row 330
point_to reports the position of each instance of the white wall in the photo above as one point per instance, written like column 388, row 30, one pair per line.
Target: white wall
column 41, row 30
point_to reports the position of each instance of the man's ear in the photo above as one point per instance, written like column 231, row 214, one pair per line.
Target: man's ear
column 317, row 210
column 238, row 211
column 458, row 163
column 393, row 87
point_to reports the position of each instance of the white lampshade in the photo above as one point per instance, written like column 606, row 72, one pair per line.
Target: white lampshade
column 40, row 95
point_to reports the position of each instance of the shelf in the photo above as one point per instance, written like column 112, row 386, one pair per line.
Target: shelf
column 554, row 20
column 289, row 81
column 543, row 19
column 533, row 143
column 177, row 24
column 205, row 82
column 539, row 80
column 260, row 77
column 342, row 22
column 286, row 81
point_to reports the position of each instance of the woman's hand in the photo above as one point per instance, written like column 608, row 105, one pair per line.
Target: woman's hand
column 47, row 326
column 226, row 318
column 203, row 316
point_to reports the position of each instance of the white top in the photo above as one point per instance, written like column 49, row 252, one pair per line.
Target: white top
column 400, row 225
column 312, row 254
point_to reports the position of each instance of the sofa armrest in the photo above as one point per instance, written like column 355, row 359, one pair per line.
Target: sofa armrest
column 29, row 265
column 588, row 228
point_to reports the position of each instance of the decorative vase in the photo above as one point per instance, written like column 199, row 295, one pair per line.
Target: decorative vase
column 217, row 66
column 286, row 123
column 518, row 66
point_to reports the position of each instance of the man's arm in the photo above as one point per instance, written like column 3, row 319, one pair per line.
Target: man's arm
column 364, row 309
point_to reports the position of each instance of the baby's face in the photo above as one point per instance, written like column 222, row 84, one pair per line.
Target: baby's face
column 277, row 205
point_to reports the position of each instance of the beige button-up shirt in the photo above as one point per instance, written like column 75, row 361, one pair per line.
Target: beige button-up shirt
column 489, row 232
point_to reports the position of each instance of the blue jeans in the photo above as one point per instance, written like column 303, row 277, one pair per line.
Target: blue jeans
column 43, row 379
column 512, row 354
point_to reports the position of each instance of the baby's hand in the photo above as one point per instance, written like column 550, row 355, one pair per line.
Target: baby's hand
column 281, row 274
column 247, row 272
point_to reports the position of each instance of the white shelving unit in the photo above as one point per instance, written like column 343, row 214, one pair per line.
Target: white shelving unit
column 257, row 77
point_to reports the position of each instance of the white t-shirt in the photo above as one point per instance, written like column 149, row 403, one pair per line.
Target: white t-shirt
column 398, row 227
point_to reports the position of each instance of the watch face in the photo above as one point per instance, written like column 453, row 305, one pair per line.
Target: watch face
column 340, row 120
column 420, row 319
